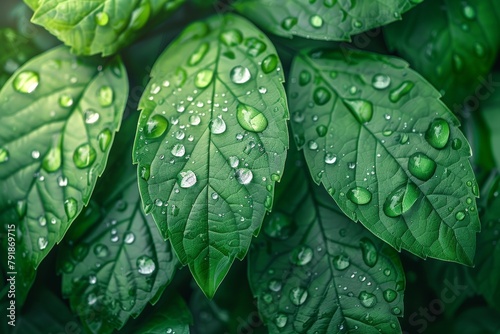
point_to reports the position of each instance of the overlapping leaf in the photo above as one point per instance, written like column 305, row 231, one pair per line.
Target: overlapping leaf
column 315, row 271
column 211, row 142
column 453, row 44
column 100, row 26
column 58, row 115
column 388, row 151
column 325, row 20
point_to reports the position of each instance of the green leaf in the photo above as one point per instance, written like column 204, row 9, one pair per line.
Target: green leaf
column 100, row 26
column 58, row 115
column 453, row 44
column 388, row 151
column 490, row 113
column 325, row 20
column 121, row 262
column 476, row 320
column 211, row 142
column 315, row 271
column 33, row 4
column 16, row 50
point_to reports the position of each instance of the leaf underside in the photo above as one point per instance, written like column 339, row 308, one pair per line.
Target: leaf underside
column 211, row 142
column 387, row 150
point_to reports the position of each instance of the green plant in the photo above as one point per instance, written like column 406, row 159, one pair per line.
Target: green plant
column 224, row 160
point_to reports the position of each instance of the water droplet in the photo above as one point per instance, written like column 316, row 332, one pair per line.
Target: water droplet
column 179, row 78
column 145, row 173
column 280, row 320
column 312, row 145
column 359, row 195
column 301, row 255
column 479, row 49
column 91, row 116
column 330, row 158
column 254, row 46
column 457, row 63
column 215, row 196
column 341, row 262
column 460, row 215
column 91, row 299
column 321, row 96
column 274, row 285
column 396, row 311
column 203, row 78
column 250, row 118
column 65, row 101
column 52, row 160
column 438, row 133
column 145, row 265
column 469, row 12
column 367, row 299
column 21, row 207
column 84, row 156
column 289, row 23
column 62, row 181
column 321, row 130
column 42, row 243
column 198, row 55
column 42, row 221
column 381, row 81
column 231, row 37
column 361, row 109
column 101, row 251
column 156, row 126
column 194, row 120
column 456, row 144
column 217, row 125
column 26, row 82
column 401, row 200
column 68, row 267
column 233, row 161
column 269, row 64
column 187, row 179
column 298, row 296
column 387, row 272
column 104, row 139
column 105, row 96
column 279, row 226
column 4, row 155
column 421, row 166
column 370, row 255
column 71, row 207
column 401, row 91
column 140, row 16
column 390, row 295
column 102, row 19
column 316, row 21
column 178, row 150
column 240, row 75
column 92, row 279
column 244, row 176
column 129, row 238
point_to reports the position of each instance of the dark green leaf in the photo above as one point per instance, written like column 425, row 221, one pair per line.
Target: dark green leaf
column 100, row 26
column 325, row 19
column 211, row 142
column 490, row 112
column 58, row 115
column 314, row 271
column 388, row 151
column 452, row 43
column 479, row 320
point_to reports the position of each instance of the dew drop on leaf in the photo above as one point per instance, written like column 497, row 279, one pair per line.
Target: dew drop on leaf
column 361, row 109
column 26, row 82
column 421, row 166
column 145, row 265
column 274, row 285
column 401, row 200
column 129, row 238
column 369, row 252
column 231, row 37
column 217, row 125
column 21, row 207
column 234, row 161
column 250, row 118
column 401, row 91
column 240, row 75
column 203, row 78
column 359, row 195
column 65, row 101
column 105, row 96
column 341, row 262
column 71, row 207
column 42, row 243
column 301, row 256
column 91, row 116
column 321, row 96
column 84, row 156
column 178, row 150
column 316, row 21
column 269, row 64
column 244, row 176
column 4, row 155
column 187, row 179
column 145, row 172
column 298, row 296
column 281, row 320
column 289, row 22
column 198, row 55
column 321, row 130
column 304, row 78
column 367, row 299
column 104, row 139
column 381, row 81
column 101, row 19
column 255, row 47
column 52, row 160
column 438, row 133
column 460, row 215
column 330, row 158
column 101, row 251
column 390, row 295
column 156, row 126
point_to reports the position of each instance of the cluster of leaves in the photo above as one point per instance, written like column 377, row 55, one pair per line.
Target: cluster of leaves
column 355, row 136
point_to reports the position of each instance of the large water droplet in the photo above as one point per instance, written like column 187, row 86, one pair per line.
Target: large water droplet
column 84, row 156
column 145, row 265
column 71, row 207
column 101, row 19
column 469, row 12
column 316, row 21
column 321, row 96
column 381, row 81
column 187, row 179
column 367, row 299
column 301, row 255
column 26, row 82
column 390, row 295
column 217, row 125
column 401, row 200
column 52, row 160
column 203, row 78
column 129, row 238
column 281, row 320
column 178, row 150
column 145, row 172
column 279, row 226
column 231, row 37
column 401, row 91
column 330, row 158
column 240, row 75
column 91, row 116
column 298, row 296
column 156, row 126
column 341, row 262
column 269, row 63
column 244, row 176
column 234, row 161
column 369, row 252
column 255, row 47
column 250, row 118
column 304, row 78
column 359, row 195
column 361, row 109
column 438, row 133
column 198, row 55
column 421, row 166
column 104, row 139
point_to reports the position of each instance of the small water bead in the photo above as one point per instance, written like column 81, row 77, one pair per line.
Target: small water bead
column 71, row 207
column 231, row 37
column 279, row 226
column 316, row 21
column 194, row 120
column 301, row 255
column 460, row 215
column 367, row 299
column 240, row 75
column 42, row 243
column 469, row 12
column 52, row 160
column 359, row 195
column 4, row 155
column 203, row 78
column 298, row 296
column 289, row 23
column 330, row 158
column 65, row 101
column 178, row 150
column 390, row 295
column 312, row 145
column 84, row 156
column 198, row 55
column 401, row 91
column 145, row 265
column 91, row 116
column 387, row 272
column 179, row 135
column 401, row 200
column 215, row 196
column 262, row 90
column 321, row 96
column 341, row 262
column 250, row 118
column 243, row 176
column 92, row 279
column 129, row 238
column 438, row 133
column 26, row 82
column 187, row 179
column 421, row 166
column 179, row 79
column 361, row 109
column 155, row 126
column 456, row 144
column 321, row 130
column 102, row 19
column 274, row 285
column 270, row 63
column 42, row 221
column 105, row 96
column 101, row 251
column 217, row 125
column 369, row 252
column 281, row 320
column 62, row 181
column 255, row 47
column 21, row 208
column 104, row 139
column 35, row 154
column 233, row 161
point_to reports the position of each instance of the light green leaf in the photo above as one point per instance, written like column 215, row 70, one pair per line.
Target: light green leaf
column 33, row 4
column 388, row 151
column 325, row 20
column 453, row 44
column 490, row 113
column 99, row 26
column 314, row 271
column 58, row 115
column 211, row 142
